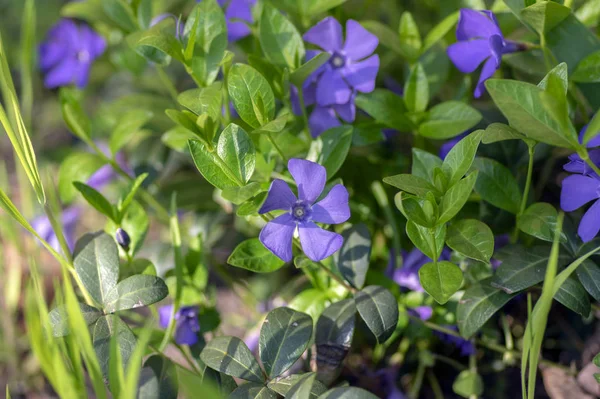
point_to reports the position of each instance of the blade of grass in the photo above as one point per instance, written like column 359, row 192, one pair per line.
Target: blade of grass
column 28, row 23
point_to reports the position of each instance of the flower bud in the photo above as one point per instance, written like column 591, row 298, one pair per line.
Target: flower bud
column 123, row 239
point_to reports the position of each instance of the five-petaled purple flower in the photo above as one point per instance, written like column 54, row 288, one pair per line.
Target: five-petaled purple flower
column 67, row 55
column 303, row 212
column 187, row 325
column 352, row 68
column 480, row 40
column 236, row 12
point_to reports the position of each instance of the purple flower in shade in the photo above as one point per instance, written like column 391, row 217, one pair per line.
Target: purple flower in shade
column 187, row 325
column 303, row 212
column 42, row 226
column 236, row 12
column 67, row 54
column 422, row 312
column 448, row 145
column 480, row 40
column 407, row 276
column 465, row 346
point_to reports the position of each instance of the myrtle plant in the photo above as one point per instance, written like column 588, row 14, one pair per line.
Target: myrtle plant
column 300, row 198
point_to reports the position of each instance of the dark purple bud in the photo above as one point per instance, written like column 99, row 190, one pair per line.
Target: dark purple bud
column 123, row 239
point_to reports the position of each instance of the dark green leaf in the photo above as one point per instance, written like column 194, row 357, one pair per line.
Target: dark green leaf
column 441, row 280
column 411, row 184
column 59, row 318
column 302, row 389
column 299, row 76
column 379, row 309
column 347, row 393
column 251, row 94
column 424, row 163
column 449, row 119
column 158, row 379
column 421, row 237
column 105, row 329
column 572, row 294
column 231, row 356
column 589, row 276
column 460, row 158
column 355, row 255
column 545, row 15
column 97, row 200
column 468, row 384
column 479, row 302
column 252, row 206
column 333, row 146
column 283, row 385
column 254, row 256
column 497, row 185
column 472, row 238
column 134, row 292
column 284, row 336
column 280, row 40
column 96, row 261
column 421, row 211
column 79, row 166
column 252, row 390
column 539, row 220
column 456, row 197
column 386, row 108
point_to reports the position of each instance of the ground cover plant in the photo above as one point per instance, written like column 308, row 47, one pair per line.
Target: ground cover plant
column 300, row 199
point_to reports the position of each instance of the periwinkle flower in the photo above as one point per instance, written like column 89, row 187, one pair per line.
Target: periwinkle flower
column 480, row 41
column 67, row 54
column 70, row 216
column 407, row 276
column 465, row 346
column 578, row 190
column 236, row 12
column 303, row 211
column 123, row 239
column 187, row 325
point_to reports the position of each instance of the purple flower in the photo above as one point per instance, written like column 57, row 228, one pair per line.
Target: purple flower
column 67, row 55
column 577, row 190
column 237, row 11
column 448, row 145
column 42, row 226
column 466, row 347
column 407, row 276
column 480, row 40
column 422, row 312
column 594, row 142
column 303, row 212
column 187, row 326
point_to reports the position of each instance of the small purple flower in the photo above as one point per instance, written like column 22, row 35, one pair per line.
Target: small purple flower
column 42, row 226
column 407, row 276
column 465, row 346
column 480, row 40
column 187, row 326
column 303, row 212
column 236, row 12
column 448, row 145
column 577, row 190
column 422, row 312
column 67, row 55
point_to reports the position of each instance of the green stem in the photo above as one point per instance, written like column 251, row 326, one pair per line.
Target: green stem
column 586, row 158
column 531, row 149
column 435, row 385
column 277, row 148
column 473, row 369
column 304, row 114
column 449, row 361
column 416, row 387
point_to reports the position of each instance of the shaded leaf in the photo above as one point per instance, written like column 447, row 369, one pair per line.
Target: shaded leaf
column 134, row 292
column 231, row 356
column 379, row 309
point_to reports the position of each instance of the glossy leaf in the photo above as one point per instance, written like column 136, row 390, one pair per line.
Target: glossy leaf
column 441, row 280
column 302, row 389
column 252, row 390
column 589, row 276
column 96, row 261
column 497, row 185
column 97, row 200
column 416, row 90
column 456, row 197
column 472, row 238
column 477, row 305
column 355, row 255
column 252, row 255
column 460, row 158
column 203, row 101
column 411, row 184
column 449, row 119
column 421, row 237
column 134, row 292
column 236, row 150
column 231, row 356
column 284, row 336
column 499, row 132
column 424, row 163
column 251, row 94
column 539, row 220
column 421, row 211
column 283, row 385
column 379, row 310
column 280, row 40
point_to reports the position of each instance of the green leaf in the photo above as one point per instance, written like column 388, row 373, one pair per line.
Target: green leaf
column 355, row 255
column 416, row 90
column 468, row 384
column 589, row 276
column 588, row 70
column 421, row 211
column 333, row 337
column 252, row 206
column 314, row 7
column 231, row 356
column 158, row 379
column 311, row 301
column 59, row 318
column 572, row 295
column 499, row 132
column 283, row 385
column 460, row 158
column 280, row 40
column 554, row 99
column 96, row 261
column 73, row 114
column 410, row 38
column 134, row 292
column 131, row 192
column 439, row 31
column 441, row 280
column 104, row 330
column 456, row 197
column 521, row 104
column 302, row 389
column 251, row 94
column 379, row 310
column 424, row 163
column 449, row 119
column 121, row 14
column 252, row 390
column 332, row 148
column 236, row 150
column 497, row 185
column 239, row 195
column 471, row 238
column 299, row 76
column 387, row 36
column 347, row 393
column 479, row 302
column 284, row 336
column 522, row 268
column 421, row 237
column 208, row 163
column 158, row 44
column 206, row 100
column 252, row 255
column 539, row 220
column 593, row 129
column 411, row 184
column 127, row 126
column 545, row 15
column 97, row 200
column 386, row 108
column 275, row 126
column 78, row 166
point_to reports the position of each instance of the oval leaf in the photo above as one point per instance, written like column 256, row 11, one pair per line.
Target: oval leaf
column 134, row 292
column 254, row 256
column 472, row 238
column 355, row 255
column 251, row 94
column 441, row 280
column 379, row 309
column 231, row 356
